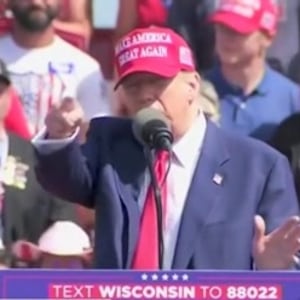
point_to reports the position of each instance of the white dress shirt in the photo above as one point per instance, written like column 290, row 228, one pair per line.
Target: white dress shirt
column 186, row 153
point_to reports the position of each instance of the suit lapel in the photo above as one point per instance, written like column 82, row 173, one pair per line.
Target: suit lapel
column 129, row 165
column 203, row 196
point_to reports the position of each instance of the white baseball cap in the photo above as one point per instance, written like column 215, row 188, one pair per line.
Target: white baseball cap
column 63, row 238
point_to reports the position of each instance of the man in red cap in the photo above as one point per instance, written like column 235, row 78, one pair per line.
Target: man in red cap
column 227, row 202
column 254, row 98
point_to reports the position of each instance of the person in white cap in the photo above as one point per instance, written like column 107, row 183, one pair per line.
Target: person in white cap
column 64, row 245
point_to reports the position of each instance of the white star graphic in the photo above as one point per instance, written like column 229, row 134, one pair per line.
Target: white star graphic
column 175, row 277
column 185, row 277
column 165, row 277
column 154, row 277
column 144, row 277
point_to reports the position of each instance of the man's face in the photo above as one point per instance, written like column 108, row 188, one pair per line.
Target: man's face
column 34, row 15
column 234, row 48
column 5, row 100
column 172, row 96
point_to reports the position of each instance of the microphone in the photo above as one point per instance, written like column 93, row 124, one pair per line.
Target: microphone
column 152, row 128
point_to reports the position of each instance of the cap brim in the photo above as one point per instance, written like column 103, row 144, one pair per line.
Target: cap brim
column 26, row 251
column 233, row 21
column 165, row 72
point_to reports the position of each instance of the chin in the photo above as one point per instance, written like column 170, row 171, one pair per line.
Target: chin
column 229, row 60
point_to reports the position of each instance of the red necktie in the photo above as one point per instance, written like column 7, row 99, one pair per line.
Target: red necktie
column 146, row 256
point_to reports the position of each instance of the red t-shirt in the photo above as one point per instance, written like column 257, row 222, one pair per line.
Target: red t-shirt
column 151, row 12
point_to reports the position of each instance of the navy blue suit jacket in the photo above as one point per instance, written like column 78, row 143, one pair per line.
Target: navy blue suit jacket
column 217, row 224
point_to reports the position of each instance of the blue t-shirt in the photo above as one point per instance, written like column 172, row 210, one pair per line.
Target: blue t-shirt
column 259, row 113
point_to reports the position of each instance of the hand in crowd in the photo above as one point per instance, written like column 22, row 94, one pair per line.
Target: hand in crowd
column 63, row 119
column 278, row 249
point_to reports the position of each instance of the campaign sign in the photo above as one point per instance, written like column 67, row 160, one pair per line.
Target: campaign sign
column 178, row 285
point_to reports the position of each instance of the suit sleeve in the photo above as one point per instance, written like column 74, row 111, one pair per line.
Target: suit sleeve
column 279, row 201
column 71, row 172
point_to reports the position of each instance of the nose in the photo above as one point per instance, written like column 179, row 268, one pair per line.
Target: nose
column 146, row 92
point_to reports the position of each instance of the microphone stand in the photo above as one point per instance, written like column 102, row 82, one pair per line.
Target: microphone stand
column 150, row 157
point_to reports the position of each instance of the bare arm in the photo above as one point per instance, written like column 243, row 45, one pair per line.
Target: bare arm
column 127, row 17
column 77, row 19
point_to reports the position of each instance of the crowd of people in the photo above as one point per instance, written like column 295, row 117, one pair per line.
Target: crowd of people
column 247, row 86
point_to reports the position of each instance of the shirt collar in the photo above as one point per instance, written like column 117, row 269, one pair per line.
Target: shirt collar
column 189, row 146
column 261, row 89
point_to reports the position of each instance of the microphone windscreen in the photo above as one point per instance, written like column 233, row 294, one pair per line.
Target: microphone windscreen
column 145, row 119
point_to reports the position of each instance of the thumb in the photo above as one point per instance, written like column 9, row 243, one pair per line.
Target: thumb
column 259, row 228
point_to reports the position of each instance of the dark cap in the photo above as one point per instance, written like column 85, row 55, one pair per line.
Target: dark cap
column 4, row 75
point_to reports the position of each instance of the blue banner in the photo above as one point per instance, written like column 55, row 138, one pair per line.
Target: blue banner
column 37, row 284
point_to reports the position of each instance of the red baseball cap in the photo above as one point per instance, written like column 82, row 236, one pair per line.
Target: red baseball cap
column 247, row 16
column 155, row 50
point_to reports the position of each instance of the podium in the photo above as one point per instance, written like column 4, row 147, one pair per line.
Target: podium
column 130, row 285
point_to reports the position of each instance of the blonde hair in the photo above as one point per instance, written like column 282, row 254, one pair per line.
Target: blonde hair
column 209, row 101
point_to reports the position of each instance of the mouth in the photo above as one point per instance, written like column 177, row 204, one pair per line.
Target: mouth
column 34, row 9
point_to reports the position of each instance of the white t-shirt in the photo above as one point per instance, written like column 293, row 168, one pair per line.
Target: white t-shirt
column 44, row 76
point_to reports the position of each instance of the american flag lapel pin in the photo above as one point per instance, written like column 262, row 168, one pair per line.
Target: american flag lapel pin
column 218, row 179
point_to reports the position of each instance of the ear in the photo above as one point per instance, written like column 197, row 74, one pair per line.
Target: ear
column 194, row 83
column 267, row 41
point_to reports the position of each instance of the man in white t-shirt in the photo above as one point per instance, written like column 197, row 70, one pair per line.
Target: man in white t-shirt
column 44, row 68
